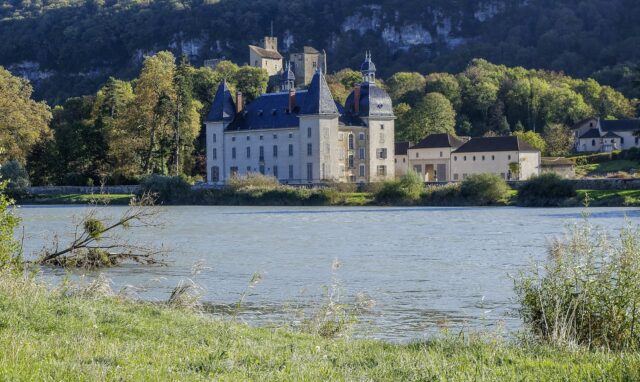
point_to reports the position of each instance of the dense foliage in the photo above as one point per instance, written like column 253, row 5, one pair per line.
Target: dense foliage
column 546, row 190
column 129, row 130
column 78, row 44
column 488, row 99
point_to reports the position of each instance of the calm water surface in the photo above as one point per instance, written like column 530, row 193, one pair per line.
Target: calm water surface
column 423, row 267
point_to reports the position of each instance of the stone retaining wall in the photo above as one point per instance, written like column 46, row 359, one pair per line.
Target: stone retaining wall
column 55, row 190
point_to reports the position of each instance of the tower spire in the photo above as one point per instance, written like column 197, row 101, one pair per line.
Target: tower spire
column 368, row 69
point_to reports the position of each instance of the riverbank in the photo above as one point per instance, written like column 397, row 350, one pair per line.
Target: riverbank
column 59, row 335
column 597, row 198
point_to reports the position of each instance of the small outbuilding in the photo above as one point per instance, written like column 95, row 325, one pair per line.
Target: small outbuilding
column 564, row 167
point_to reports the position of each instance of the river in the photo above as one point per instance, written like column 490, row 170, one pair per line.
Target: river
column 418, row 269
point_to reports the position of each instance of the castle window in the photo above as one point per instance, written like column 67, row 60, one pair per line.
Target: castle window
column 290, row 135
column 233, row 153
column 483, row 157
column 493, row 157
column 417, row 155
column 309, row 171
column 290, row 171
column 455, row 176
column 351, row 164
column 455, row 158
column 474, row 158
column 275, row 151
column 262, row 137
column 214, row 138
column 248, row 152
column 381, row 127
column 308, row 132
column 261, row 153
column 275, row 136
column 215, row 174
column 382, row 170
column 290, row 150
column 275, row 171
column 593, row 142
column 361, row 136
column 381, row 137
column 361, row 153
column 381, row 153
column 351, row 143
column 248, row 137
column 509, row 157
column 233, row 171
column 418, row 168
column 233, row 139
column 214, row 154
column 362, row 169
column 464, row 158
column 440, row 154
column 309, row 149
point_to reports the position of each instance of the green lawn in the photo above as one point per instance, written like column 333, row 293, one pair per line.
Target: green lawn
column 601, row 169
column 622, row 198
column 119, row 199
column 50, row 336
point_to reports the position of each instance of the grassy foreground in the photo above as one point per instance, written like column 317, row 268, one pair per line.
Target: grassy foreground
column 48, row 335
column 116, row 199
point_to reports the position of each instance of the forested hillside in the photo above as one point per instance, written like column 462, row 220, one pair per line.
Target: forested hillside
column 71, row 47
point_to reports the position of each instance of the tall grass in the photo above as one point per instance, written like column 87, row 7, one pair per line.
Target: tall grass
column 587, row 292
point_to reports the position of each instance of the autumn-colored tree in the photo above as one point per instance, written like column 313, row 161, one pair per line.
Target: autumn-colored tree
column 559, row 139
column 534, row 139
column 23, row 121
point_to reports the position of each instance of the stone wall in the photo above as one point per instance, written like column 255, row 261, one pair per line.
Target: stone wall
column 60, row 190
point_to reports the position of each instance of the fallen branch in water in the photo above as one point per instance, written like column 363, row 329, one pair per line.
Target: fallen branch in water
column 97, row 243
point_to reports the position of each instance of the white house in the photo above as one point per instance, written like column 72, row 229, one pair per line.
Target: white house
column 303, row 136
column 431, row 157
column 510, row 157
column 598, row 135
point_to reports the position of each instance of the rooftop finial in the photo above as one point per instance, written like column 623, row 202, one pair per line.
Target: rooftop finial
column 368, row 69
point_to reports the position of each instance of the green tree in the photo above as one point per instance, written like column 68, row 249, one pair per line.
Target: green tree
column 434, row 114
column 406, row 87
column 447, row 85
column 8, row 222
column 23, row 121
column 534, row 139
column 559, row 139
column 252, row 82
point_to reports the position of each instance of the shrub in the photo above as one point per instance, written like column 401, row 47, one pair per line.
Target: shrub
column 484, row 189
column 448, row 194
column 17, row 177
column 9, row 247
column 167, row 189
column 343, row 186
column 587, row 292
column 545, row 190
column 405, row 190
column 253, row 181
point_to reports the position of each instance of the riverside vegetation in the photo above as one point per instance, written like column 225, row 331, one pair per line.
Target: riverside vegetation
column 580, row 324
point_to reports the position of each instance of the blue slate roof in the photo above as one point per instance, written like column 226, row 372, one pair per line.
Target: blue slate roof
column 591, row 133
column 620, row 125
column 222, row 108
column 269, row 111
column 374, row 102
column 319, row 99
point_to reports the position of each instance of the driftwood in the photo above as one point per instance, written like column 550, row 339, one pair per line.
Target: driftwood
column 97, row 241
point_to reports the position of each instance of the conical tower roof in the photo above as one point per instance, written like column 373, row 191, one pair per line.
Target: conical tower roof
column 223, row 107
column 319, row 99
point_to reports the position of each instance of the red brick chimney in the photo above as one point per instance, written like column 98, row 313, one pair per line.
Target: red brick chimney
column 292, row 100
column 356, row 99
column 239, row 102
